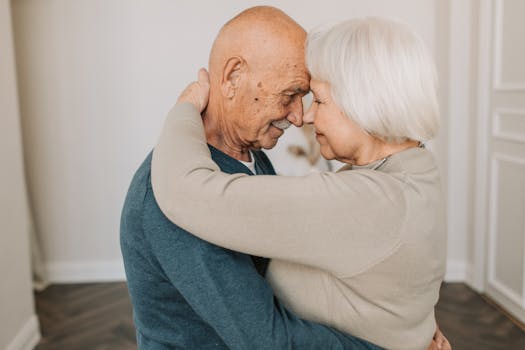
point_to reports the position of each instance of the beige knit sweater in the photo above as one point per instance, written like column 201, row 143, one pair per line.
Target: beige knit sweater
column 361, row 250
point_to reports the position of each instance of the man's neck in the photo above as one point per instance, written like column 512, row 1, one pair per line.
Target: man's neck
column 217, row 136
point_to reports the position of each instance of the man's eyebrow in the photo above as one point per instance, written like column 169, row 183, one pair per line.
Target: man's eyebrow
column 296, row 90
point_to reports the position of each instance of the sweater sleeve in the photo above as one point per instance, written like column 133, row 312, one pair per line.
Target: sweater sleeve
column 322, row 220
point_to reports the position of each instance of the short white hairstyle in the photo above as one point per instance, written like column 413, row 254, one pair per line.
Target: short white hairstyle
column 381, row 76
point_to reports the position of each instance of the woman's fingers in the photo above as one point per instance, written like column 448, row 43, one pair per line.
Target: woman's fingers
column 204, row 77
column 197, row 92
column 441, row 341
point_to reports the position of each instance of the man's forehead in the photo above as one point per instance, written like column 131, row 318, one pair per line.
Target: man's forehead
column 288, row 76
column 295, row 78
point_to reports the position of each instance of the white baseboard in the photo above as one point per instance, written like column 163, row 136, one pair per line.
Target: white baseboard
column 457, row 271
column 86, row 272
column 113, row 271
column 27, row 337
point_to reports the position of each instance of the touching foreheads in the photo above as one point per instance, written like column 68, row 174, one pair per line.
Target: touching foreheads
column 381, row 76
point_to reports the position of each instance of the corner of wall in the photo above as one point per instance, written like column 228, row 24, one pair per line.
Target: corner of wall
column 457, row 271
column 27, row 337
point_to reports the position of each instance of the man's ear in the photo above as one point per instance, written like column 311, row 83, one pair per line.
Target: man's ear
column 231, row 75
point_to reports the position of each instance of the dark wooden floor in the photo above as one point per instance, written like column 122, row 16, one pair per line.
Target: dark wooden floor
column 469, row 322
column 98, row 317
column 85, row 316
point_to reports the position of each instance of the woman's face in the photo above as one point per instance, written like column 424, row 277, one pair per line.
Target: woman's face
column 339, row 137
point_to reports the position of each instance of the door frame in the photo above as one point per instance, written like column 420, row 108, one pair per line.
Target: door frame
column 477, row 279
column 482, row 278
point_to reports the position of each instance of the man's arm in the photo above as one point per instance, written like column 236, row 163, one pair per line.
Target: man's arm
column 224, row 289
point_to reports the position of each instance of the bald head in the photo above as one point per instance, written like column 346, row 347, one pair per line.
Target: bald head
column 264, row 15
column 257, row 78
column 258, row 35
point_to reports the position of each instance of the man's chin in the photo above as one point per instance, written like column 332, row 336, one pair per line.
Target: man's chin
column 269, row 143
column 270, row 139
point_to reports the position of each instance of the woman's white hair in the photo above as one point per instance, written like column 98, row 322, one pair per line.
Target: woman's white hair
column 381, row 76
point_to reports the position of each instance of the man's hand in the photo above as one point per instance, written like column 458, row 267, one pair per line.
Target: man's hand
column 439, row 342
column 198, row 92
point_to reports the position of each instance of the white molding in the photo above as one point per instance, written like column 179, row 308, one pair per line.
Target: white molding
column 510, row 87
column 492, row 278
column 505, row 135
column 507, row 158
column 510, row 306
column 27, row 337
column 497, row 44
column 507, row 292
column 85, row 272
column 457, row 271
column 499, row 85
column 482, row 147
column 493, row 217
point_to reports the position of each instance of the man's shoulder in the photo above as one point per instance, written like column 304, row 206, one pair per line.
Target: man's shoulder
column 139, row 185
column 153, row 223
column 141, row 178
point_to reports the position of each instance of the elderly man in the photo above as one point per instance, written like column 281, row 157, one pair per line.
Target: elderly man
column 187, row 293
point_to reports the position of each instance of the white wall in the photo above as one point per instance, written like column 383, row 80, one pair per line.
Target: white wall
column 461, row 130
column 458, row 35
column 18, row 324
column 97, row 77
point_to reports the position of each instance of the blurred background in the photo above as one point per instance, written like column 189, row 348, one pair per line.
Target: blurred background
column 85, row 86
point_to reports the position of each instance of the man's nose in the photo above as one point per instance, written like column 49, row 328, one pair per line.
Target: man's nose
column 296, row 113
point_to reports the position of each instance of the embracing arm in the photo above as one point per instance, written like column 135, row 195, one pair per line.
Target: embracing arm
column 229, row 294
column 317, row 220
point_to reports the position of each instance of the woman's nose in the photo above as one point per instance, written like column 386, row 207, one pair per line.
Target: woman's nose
column 308, row 117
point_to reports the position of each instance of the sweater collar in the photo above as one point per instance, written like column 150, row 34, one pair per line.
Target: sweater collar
column 404, row 160
column 227, row 163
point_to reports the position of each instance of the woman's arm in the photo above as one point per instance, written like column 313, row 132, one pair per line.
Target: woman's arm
column 318, row 220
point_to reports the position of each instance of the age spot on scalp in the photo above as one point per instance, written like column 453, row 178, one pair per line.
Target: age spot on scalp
column 259, row 84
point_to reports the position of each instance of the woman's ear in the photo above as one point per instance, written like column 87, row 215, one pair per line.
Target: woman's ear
column 231, row 76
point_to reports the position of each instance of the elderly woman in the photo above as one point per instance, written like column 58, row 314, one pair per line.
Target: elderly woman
column 363, row 249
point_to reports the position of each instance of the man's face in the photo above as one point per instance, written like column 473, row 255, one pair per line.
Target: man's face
column 271, row 98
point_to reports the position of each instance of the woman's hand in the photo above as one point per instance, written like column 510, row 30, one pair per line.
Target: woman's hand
column 198, row 92
column 439, row 342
